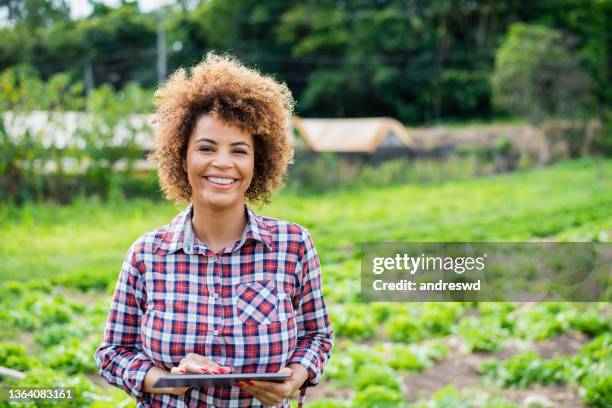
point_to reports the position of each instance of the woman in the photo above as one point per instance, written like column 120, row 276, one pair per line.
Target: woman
column 220, row 288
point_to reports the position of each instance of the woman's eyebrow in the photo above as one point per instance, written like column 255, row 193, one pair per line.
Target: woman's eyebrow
column 241, row 143
column 205, row 139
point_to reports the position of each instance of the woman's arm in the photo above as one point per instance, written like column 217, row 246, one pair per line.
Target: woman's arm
column 315, row 334
column 120, row 357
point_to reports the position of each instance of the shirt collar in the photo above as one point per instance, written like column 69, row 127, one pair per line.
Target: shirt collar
column 179, row 233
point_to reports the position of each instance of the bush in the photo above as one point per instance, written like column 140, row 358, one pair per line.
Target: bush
column 97, row 158
column 536, row 76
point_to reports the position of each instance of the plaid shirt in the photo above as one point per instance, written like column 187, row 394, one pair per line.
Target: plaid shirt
column 256, row 306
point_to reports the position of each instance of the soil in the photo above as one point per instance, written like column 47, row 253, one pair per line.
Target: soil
column 461, row 370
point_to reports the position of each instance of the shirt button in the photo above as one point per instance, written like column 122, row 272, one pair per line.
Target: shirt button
column 216, row 295
column 216, row 332
column 214, row 259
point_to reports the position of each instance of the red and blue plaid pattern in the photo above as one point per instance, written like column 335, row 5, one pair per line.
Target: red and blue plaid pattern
column 256, row 306
column 256, row 302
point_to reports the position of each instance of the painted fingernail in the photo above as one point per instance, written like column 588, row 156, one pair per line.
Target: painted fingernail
column 182, row 370
column 250, row 382
column 204, row 370
column 239, row 385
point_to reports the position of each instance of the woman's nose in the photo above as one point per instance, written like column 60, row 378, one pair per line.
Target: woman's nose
column 222, row 160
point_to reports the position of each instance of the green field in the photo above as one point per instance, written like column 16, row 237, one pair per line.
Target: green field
column 66, row 260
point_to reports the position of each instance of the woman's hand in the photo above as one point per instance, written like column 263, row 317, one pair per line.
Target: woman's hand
column 273, row 393
column 191, row 364
column 196, row 364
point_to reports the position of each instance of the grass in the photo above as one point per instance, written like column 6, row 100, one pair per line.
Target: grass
column 568, row 201
column 81, row 247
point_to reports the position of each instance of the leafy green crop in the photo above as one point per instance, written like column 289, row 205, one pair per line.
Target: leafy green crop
column 404, row 329
column 450, row 397
column 543, row 321
column 596, row 389
column 377, row 344
column 15, row 356
column 353, row 320
column 376, row 396
column 372, row 374
column 72, row 356
column 528, row 368
column 483, row 334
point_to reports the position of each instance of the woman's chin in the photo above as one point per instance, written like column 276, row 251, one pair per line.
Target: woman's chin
column 218, row 201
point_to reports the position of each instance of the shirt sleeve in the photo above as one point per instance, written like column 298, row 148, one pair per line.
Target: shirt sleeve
column 315, row 335
column 120, row 357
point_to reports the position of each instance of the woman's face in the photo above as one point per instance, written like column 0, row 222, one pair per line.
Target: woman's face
column 219, row 163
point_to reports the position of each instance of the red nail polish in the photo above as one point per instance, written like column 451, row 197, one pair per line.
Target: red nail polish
column 204, row 370
column 250, row 382
column 182, row 371
column 239, row 385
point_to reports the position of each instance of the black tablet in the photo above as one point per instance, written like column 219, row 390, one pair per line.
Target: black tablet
column 208, row 380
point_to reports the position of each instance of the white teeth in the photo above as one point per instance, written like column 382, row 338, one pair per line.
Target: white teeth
column 220, row 180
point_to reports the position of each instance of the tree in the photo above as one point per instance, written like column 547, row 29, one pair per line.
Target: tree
column 35, row 13
column 536, row 76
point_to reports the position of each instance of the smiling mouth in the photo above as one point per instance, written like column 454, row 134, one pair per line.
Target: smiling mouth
column 221, row 181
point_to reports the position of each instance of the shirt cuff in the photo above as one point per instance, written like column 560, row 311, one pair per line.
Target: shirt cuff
column 310, row 360
column 134, row 376
column 128, row 373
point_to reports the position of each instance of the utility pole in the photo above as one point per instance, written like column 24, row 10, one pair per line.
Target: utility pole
column 89, row 82
column 162, row 62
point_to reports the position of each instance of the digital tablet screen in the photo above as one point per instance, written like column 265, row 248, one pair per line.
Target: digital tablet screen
column 208, row 380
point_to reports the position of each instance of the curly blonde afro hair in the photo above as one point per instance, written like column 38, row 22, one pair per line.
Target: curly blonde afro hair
column 221, row 86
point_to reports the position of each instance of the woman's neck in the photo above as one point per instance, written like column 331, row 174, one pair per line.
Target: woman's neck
column 218, row 228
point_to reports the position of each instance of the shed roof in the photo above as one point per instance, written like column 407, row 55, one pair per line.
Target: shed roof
column 351, row 134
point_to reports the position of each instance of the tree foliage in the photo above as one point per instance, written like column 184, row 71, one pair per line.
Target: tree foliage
column 536, row 76
column 413, row 60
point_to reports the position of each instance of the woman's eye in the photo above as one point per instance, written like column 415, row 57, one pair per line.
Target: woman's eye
column 205, row 149
column 240, row 151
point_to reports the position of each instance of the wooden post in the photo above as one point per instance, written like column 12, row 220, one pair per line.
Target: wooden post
column 7, row 372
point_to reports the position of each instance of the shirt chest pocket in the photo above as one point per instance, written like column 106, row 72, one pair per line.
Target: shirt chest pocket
column 260, row 302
